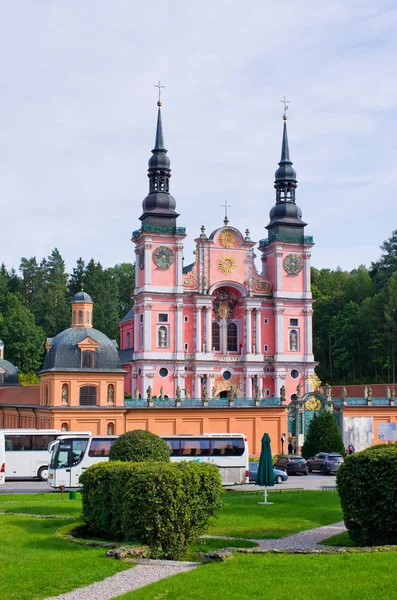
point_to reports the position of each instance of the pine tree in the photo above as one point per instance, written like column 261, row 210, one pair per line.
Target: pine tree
column 323, row 435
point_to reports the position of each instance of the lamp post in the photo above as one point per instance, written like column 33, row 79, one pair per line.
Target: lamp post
column 282, row 443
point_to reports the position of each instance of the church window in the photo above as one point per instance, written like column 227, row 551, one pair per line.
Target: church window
column 74, row 318
column 266, row 347
column 141, row 318
column 267, row 392
column 186, row 347
column 80, row 317
column 293, row 340
column 87, row 317
column 186, row 319
column 88, row 394
column 216, row 336
column 294, row 373
column 294, row 322
column 46, row 395
column 163, row 318
column 265, row 321
column 141, row 336
column 87, row 359
column 227, row 375
column 128, row 340
column 64, row 427
column 162, row 337
column 232, row 337
column 163, row 372
column 110, row 428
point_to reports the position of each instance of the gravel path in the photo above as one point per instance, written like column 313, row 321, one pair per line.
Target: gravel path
column 303, row 540
column 142, row 574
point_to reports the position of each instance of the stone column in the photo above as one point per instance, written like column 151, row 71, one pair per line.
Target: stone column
column 148, row 264
column 147, row 327
column 280, row 329
column 179, row 327
column 136, row 331
column 248, row 330
column 197, row 391
column 306, row 273
column 308, row 333
column 198, row 328
column 258, row 336
column 208, row 329
column 248, row 386
column 279, row 270
column 137, row 269
column 179, row 266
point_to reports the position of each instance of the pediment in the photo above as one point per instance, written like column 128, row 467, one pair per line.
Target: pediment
column 88, row 343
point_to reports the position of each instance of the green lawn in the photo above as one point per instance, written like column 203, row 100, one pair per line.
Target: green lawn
column 279, row 577
column 242, row 516
column 341, row 539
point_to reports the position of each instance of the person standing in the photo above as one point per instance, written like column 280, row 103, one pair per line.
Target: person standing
column 350, row 449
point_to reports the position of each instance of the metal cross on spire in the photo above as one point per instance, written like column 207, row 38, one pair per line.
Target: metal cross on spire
column 285, row 102
column 226, row 206
column 159, row 87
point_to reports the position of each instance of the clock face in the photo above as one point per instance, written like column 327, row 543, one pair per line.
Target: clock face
column 142, row 259
column 163, row 257
column 293, row 264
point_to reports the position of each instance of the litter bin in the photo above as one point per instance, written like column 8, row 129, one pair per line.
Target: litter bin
column 73, row 495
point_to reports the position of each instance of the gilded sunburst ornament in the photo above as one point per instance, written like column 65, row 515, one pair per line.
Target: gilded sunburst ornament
column 227, row 264
column 227, row 239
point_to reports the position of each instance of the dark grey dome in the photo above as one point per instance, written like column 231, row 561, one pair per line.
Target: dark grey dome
column 65, row 354
column 285, row 172
column 288, row 211
column 10, row 372
column 159, row 202
column 82, row 297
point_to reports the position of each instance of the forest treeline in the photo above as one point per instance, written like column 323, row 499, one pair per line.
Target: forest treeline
column 35, row 303
column 354, row 322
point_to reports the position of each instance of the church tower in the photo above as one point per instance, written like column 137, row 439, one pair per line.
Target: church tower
column 286, row 262
column 158, row 309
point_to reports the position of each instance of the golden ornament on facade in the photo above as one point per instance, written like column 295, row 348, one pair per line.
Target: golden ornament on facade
column 314, row 383
column 227, row 239
column 227, row 264
column 312, row 403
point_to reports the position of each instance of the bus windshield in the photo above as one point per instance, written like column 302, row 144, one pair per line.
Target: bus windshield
column 68, row 453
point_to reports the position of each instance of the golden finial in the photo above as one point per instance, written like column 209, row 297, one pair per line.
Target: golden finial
column 159, row 87
column 285, row 102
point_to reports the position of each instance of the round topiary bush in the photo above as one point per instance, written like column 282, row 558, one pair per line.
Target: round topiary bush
column 138, row 446
column 367, row 486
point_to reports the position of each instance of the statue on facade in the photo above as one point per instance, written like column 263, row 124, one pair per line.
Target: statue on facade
column 65, row 393
column 205, row 394
column 293, row 341
column 369, row 393
column 344, row 394
column 388, row 393
column 163, row 337
column 257, row 394
column 392, row 394
column 162, row 393
column 136, row 393
column 149, row 393
column 213, row 392
column 328, row 391
column 283, row 395
column 178, row 392
column 110, row 394
column 263, row 392
column 299, row 389
column 187, row 393
column 237, row 392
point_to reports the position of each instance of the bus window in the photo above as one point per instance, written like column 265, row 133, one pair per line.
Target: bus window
column 227, row 447
column 100, row 447
column 195, row 447
column 174, row 446
column 41, row 442
column 79, row 447
column 18, row 442
column 63, row 457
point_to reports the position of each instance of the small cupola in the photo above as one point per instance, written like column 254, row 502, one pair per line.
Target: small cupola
column 82, row 310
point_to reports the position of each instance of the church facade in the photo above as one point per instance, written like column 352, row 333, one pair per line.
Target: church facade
column 220, row 326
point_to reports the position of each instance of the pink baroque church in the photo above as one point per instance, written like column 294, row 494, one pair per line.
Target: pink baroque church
column 219, row 327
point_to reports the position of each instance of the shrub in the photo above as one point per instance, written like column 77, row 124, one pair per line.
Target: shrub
column 323, row 435
column 165, row 506
column 138, row 446
column 367, row 486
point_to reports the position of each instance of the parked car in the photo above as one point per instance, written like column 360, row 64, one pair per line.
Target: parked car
column 292, row 464
column 279, row 476
column 325, row 462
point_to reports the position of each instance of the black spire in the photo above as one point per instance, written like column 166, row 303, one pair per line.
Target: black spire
column 285, row 216
column 159, row 206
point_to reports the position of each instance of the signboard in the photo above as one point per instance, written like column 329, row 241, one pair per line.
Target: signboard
column 387, row 432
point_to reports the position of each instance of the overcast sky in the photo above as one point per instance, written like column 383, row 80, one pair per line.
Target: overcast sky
column 78, row 114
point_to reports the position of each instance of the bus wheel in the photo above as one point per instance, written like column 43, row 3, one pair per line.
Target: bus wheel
column 43, row 474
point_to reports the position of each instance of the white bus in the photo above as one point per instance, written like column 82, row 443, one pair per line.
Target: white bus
column 25, row 452
column 72, row 454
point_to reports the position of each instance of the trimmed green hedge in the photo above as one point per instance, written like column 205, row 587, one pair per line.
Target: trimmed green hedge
column 367, row 486
column 138, row 446
column 166, row 506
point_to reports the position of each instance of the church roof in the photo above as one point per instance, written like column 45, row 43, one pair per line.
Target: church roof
column 82, row 297
column 66, row 355
column 128, row 316
column 10, row 372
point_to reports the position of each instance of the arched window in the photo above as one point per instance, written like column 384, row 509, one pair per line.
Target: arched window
column 111, row 394
column 65, row 393
column 74, row 317
column 110, row 428
column 46, row 395
column 87, row 359
column 88, row 395
column 216, row 344
column 232, row 337
column 293, row 340
column 64, row 427
column 80, row 317
column 128, row 340
column 87, row 317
